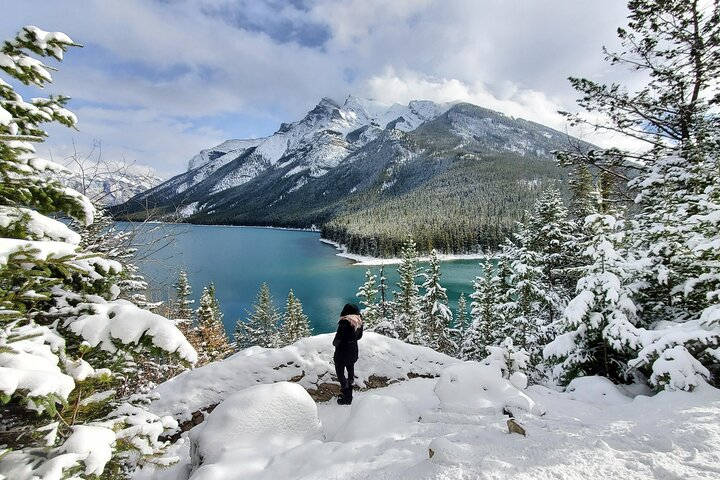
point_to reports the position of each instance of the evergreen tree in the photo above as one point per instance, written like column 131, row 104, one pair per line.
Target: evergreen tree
column 407, row 299
column 368, row 302
column 488, row 325
column 598, row 330
column 549, row 234
column 529, row 301
column 461, row 325
column 60, row 317
column 261, row 326
column 436, row 315
column 675, row 43
column 295, row 323
column 183, row 313
column 384, row 307
column 210, row 338
column 583, row 195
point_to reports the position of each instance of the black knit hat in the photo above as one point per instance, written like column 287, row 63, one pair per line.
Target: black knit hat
column 350, row 309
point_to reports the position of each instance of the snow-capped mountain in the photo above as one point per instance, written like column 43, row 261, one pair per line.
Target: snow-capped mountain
column 320, row 141
column 109, row 188
column 349, row 156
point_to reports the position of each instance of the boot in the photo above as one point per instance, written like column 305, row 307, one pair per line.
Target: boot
column 348, row 392
column 342, row 399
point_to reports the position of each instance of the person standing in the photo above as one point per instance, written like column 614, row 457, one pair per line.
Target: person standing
column 349, row 331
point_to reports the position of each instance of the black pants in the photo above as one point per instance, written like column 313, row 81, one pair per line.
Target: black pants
column 340, row 368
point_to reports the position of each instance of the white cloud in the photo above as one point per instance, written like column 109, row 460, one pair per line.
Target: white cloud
column 514, row 101
column 180, row 69
column 137, row 137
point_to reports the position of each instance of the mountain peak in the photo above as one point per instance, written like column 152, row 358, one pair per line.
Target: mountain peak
column 328, row 102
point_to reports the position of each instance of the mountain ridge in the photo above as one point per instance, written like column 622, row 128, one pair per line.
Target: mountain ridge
column 315, row 170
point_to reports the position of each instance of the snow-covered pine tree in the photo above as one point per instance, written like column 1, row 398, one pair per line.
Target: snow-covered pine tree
column 211, row 340
column 676, row 45
column 530, row 303
column 67, row 344
column 461, row 325
column 598, row 330
column 549, row 234
column 295, row 324
column 436, row 316
column 370, row 308
column 183, row 312
column 488, row 326
column 406, row 301
column 261, row 326
column 583, row 194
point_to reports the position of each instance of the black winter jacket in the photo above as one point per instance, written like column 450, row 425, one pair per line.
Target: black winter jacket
column 345, row 342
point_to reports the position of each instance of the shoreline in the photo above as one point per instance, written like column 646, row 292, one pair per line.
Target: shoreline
column 360, row 260
column 159, row 222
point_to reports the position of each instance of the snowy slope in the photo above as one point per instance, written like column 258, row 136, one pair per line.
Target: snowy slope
column 309, row 361
column 109, row 187
column 450, row 427
column 320, row 141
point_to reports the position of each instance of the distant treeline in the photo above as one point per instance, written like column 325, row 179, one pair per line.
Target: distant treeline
column 473, row 205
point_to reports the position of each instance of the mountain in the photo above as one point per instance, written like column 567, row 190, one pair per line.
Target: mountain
column 456, row 175
column 109, row 188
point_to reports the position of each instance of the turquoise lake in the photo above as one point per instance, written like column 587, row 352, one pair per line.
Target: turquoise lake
column 239, row 259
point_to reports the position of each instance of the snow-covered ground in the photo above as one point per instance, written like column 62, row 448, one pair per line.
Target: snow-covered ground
column 449, row 427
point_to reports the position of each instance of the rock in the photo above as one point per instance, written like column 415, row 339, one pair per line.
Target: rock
column 324, row 392
column 514, row 427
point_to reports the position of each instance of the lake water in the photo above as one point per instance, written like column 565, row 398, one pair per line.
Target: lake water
column 239, row 259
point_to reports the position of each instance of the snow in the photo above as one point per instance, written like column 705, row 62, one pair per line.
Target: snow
column 363, row 260
column 187, row 210
column 31, row 365
column 38, row 226
column 91, row 444
column 448, row 427
column 477, row 388
column 123, row 321
column 328, row 119
column 596, row 391
column 41, row 250
column 371, row 414
column 670, row 435
column 250, row 427
column 79, row 369
column 309, row 359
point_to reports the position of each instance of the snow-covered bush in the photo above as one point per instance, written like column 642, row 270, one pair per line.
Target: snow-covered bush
column 477, row 388
column 66, row 342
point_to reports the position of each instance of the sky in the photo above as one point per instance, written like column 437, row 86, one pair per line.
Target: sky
column 158, row 80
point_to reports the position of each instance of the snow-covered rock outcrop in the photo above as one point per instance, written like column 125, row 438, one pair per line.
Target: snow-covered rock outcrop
column 308, row 362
